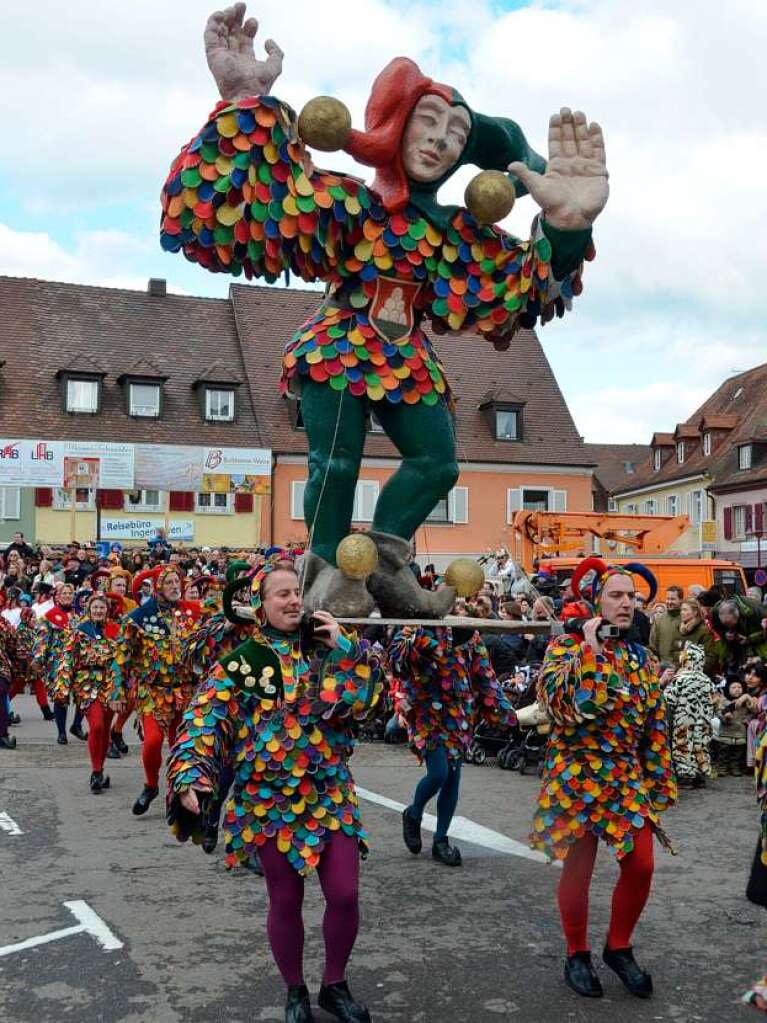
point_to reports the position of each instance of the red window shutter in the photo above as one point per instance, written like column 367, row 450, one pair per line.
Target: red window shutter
column 43, row 497
column 110, row 500
column 749, row 518
column 728, row 523
column 243, row 503
column 181, row 501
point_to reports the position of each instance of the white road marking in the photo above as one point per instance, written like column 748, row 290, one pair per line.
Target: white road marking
column 89, row 923
column 8, row 824
column 463, row 828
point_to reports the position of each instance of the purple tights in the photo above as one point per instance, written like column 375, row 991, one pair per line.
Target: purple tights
column 338, row 871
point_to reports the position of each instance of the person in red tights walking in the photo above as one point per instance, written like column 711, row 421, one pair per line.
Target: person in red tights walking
column 154, row 642
column 607, row 773
column 88, row 672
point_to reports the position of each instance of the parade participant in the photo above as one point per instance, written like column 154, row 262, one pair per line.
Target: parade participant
column 89, row 673
column 690, row 700
column 7, row 655
column 24, row 633
column 756, row 891
column 607, row 771
column 243, row 196
column 152, row 656
column 119, row 585
column 446, row 686
column 280, row 707
column 52, row 632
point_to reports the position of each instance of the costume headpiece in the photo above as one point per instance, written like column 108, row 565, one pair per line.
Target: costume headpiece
column 157, row 575
column 602, row 572
column 276, row 558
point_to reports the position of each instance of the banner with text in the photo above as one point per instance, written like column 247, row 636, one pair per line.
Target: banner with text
column 237, row 470
column 121, row 527
column 42, row 463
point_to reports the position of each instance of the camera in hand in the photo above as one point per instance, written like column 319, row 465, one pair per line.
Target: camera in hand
column 605, row 630
column 308, row 629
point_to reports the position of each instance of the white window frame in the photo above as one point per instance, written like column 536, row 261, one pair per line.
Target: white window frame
column 72, row 384
column 210, row 415
column 211, row 504
column 457, row 505
column 672, row 504
column 745, row 456
column 612, row 504
column 739, row 522
column 631, row 508
column 696, row 514
column 707, row 443
column 680, row 452
column 62, row 502
column 650, row 506
column 657, row 459
column 297, row 488
column 556, row 500
column 134, row 408
column 144, row 505
column 365, row 499
column 517, row 422
column 10, row 503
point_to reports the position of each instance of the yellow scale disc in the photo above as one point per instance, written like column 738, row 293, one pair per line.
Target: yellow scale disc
column 229, row 215
column 227, row 126
column 290, row 207
column 304, row 185
column 352, row 205
column 362, row 250
column 224, row 165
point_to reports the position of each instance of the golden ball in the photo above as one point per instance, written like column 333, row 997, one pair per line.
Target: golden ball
column 356, row 556
column 324, row 124
column 465, row 576
column 489, row 196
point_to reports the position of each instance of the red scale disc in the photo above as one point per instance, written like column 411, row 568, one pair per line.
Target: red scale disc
column 399, row 225
column 226, row 147
column 455, row 303
column 307, row 222
column 319, row 373
column 242, row 232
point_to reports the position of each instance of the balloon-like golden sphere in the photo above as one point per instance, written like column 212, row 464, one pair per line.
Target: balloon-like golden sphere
column 465, row 576
column 489, row 197
column 324, row 124
column 356, row 556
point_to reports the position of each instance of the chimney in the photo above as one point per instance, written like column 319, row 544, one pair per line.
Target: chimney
column 157, row 287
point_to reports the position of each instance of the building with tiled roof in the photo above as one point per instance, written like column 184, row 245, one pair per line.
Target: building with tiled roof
column 616, row 465
column 517, row 442
column 713, row 467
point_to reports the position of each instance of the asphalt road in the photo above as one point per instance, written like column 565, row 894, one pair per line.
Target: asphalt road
column 473, row 945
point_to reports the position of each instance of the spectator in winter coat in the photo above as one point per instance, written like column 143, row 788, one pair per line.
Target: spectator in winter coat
column 666, row 641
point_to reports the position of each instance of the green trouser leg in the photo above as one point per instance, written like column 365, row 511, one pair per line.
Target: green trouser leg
column 425, row 437
column 333, row 467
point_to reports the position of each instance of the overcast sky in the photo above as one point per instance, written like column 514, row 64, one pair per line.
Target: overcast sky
column 97, row 97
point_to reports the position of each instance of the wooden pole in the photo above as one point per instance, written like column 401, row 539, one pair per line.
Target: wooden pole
column 73, row 514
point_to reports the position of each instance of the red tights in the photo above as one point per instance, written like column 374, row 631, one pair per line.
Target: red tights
column 38, row 688
column 99, row 719
column 122, row 718
column 629, row 897
column 151, row 750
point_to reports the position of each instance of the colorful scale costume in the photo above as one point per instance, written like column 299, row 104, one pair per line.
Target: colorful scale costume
column 608, row 765
column 757, row 888
column 292, row 781
column 450, row 687
column 51, row 634
column 88, row 669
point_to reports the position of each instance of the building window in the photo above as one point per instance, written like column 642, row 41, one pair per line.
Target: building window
column 144, row 400
column 83, row 396
column 507, row 425
column 612, row 504
column 145, row 501
column 651, row 506
column 628, row 468
column 680, row 452
column 365, row 498
column 85, row 499
column 631, row 508
column 219, row 405
column 374, row 426
column 707, row 443
column 451, row 509
column 214, row 504
column 745, row 452
column 527, row 499
column 672, row 504
column 739, row 521
column 695, row 507
column 657, row 459
column 10, row 503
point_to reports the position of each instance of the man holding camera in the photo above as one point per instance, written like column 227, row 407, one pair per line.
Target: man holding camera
column 607, row 773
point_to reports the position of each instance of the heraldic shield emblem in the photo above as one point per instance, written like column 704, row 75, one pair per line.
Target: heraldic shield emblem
column 392, row 315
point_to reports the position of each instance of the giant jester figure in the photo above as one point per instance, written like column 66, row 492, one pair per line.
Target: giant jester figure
column 245, row 197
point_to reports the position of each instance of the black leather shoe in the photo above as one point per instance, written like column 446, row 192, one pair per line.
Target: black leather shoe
column 118, row 742
column 411, row 831
column 113, row 752
column 448, row 854
column 97, row 782
column 78, row 733
column 14, row 719
column 209, row 838
column 635, row 979
column 337, row 1000
column 62, row 740
column 47, row 713
column 581, row 976
column 144, row 801
column 298, row 1008
column 7, row 742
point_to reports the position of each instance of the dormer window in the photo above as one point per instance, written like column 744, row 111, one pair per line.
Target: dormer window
column 657, row 459
column 83, row 396
column 373, row 425
column 707, row 443
column 81, row 387
column 745, row 456
column 217, row 393
column 504, row 414
column 144, row 400
column 142, row 386
column 219, row 404
column 680, row 452
column 507, row 424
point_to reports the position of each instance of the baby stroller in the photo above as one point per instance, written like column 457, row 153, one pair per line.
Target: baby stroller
column 527, row 746
column 486, row 742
